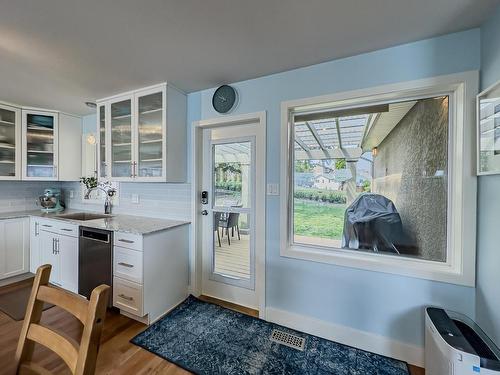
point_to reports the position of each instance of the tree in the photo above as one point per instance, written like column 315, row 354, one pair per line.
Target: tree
column 302, row 166
column 340, row 164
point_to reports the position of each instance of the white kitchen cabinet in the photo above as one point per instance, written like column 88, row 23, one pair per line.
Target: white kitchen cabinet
column 14, row 247
column 35, row 259
column 48, row 255
column 102, row 169
column 144, row 137
column 51, row 146
column 70, row 148
column 67, row 251
column 10, row 143
column 58, row 246
column 40, row 145
column 150, row 272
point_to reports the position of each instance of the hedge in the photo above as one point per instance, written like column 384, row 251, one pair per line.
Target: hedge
column 228, row 185
column 337, row 197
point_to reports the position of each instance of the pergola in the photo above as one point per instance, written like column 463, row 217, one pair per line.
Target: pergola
column 331, row 138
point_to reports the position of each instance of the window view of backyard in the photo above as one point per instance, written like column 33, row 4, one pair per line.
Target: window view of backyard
column 320, row 197
column 373, row 179
column 232, row 195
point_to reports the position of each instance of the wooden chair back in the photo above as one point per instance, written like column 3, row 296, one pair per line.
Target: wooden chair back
column 80, row 358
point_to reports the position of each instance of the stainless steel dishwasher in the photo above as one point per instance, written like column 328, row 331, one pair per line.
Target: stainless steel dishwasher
column 95, row 260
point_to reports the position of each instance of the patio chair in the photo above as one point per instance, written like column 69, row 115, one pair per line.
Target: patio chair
column 227, row 221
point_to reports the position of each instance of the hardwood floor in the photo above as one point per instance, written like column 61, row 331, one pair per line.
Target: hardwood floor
column 116, row 356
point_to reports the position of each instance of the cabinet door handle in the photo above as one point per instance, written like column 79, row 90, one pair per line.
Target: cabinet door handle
column 131, row 169
column 126, row 241
column 37, row 229
column 57, row 245
column 46, row 225
column 67, row 230
column 53, row 245
column 126, row 265
column 125, row 297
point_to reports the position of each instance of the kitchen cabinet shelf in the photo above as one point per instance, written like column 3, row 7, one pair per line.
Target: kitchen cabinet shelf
column 10, row 142
column 122, row 144
column 137, row 125
column 151, row 141
column 121, row 117
column 150, row 160
column 151, row 111
column 40, row 151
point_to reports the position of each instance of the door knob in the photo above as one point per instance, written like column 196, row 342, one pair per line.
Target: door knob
column 204, row 212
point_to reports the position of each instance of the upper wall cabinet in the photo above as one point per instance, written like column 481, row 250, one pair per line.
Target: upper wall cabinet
column 10, row 143
column 51, row 146
column 142, row 135
column 40, row 145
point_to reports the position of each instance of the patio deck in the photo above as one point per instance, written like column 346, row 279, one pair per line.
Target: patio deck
column 233, row 260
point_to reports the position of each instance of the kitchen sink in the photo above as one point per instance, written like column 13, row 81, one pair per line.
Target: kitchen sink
column 83, row 216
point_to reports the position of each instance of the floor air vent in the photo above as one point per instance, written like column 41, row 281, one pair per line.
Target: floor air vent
column 287, row 339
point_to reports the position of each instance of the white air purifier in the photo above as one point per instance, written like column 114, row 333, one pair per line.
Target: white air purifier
column 455, row 345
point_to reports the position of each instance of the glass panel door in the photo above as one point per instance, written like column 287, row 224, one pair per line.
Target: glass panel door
column 40, row 145
column 102, row 141
column 8, row 131
column 150, row 124
column 121, row 139
column 232, row 212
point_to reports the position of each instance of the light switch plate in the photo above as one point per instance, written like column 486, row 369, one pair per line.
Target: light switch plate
column 273, row 189
column 135, row 198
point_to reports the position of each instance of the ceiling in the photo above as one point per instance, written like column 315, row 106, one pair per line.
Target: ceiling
column 59, row 53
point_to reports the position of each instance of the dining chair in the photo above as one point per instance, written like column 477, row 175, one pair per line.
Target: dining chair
column 80, row 357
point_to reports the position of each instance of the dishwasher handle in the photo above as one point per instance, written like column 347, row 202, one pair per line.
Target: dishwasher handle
column 95, row 236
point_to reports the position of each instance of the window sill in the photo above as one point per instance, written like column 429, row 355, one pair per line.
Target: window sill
column 410, row 267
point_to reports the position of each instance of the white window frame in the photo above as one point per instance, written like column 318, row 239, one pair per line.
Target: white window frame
column 459, row 267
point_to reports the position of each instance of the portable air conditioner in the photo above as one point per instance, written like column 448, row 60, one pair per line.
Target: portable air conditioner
column 455, row 345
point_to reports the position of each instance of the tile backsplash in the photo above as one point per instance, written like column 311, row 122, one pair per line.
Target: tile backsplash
column 161, row 200
column 22, row 195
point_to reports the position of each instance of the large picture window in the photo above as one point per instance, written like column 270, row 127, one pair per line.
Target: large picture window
column 382, row 181
column 374, row 178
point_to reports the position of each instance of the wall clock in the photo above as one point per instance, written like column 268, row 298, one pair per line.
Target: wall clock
column 224, row 99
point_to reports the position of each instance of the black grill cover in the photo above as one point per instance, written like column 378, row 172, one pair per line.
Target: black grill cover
column 372, row 222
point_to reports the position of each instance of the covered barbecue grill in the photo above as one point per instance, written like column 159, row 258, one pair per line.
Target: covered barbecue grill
column 372, row 222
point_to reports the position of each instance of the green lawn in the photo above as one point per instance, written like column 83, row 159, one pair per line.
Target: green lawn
column 318, row 220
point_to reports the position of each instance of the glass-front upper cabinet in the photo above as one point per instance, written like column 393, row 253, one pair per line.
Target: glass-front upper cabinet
column 144, row 134
column 150, row 135
column 40, row 145
column 101, row 144
column 10, row 143
column 121, row 137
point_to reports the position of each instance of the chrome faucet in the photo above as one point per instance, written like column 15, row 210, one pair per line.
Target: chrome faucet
column 108, row 190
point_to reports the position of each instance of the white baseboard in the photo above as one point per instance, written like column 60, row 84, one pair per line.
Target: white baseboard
column 349, row 336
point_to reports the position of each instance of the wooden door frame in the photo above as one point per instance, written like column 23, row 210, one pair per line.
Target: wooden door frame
column 260, row 192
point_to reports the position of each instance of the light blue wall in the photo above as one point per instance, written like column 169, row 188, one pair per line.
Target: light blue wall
column 488, row 240
column 385, row 304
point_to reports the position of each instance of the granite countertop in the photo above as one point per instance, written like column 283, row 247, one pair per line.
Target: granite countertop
column 117, row 223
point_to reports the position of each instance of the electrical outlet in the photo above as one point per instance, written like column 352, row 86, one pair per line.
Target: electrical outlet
column 71, row 194
column 135, row 198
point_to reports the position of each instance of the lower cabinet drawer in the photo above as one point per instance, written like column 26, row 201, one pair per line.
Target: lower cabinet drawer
column 127, row 296
column 127, row 264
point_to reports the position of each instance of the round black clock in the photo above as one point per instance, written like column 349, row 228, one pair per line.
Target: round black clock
column 224, row 99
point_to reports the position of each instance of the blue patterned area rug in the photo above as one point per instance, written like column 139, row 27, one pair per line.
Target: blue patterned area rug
column 208, row 339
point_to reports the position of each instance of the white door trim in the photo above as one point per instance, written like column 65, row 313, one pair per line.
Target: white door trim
column 260, row 204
